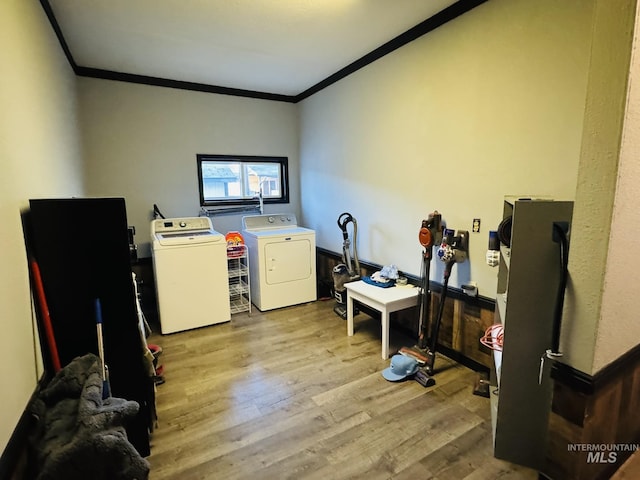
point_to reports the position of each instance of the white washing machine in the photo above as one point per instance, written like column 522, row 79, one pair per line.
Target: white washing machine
column 282, row 256
column 190, row 265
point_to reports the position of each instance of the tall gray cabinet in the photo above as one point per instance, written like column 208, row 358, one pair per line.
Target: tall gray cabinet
column 528, row 279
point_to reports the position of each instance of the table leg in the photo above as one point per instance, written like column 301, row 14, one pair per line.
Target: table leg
column 385, row 333
column 349, row 315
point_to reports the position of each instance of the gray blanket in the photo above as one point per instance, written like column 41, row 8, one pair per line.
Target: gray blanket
column 78, row 435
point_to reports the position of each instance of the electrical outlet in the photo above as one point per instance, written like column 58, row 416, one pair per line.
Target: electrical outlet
column 476, row 225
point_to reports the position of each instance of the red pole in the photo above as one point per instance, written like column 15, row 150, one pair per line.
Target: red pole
column 46, row 319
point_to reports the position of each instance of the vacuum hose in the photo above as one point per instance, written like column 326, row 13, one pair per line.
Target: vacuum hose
column 353, row 267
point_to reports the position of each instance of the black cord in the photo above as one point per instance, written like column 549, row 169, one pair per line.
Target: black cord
column 564, row 274
column 156, row 212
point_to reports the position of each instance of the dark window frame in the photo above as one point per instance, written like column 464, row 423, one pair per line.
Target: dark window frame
column 283, row 162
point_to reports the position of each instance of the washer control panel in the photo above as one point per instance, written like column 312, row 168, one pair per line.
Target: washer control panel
column 166, row 225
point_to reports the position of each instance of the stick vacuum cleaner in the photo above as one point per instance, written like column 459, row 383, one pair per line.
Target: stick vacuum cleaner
column 452, row 250
column 429, row 234
column 349, row 269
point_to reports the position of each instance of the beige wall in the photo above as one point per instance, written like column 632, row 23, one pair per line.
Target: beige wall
column 596, row 189
column 489, row 105
column 40, row 157
column 618, row 327
column 140, row 142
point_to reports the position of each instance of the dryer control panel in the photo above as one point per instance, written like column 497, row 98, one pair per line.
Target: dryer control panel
column 259, row 222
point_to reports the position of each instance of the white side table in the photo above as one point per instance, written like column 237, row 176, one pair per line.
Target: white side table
column 385, row 300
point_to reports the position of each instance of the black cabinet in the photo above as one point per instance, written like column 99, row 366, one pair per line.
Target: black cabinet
column 82, row 248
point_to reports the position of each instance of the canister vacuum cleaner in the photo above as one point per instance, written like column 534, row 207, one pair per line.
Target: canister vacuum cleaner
column 349, row 269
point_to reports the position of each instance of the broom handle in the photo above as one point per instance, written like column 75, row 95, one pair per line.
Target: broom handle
column 46, row 318
column 100, row 340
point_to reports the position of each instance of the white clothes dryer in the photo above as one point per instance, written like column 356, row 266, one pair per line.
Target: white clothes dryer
column 282, row 256
column 190, row 265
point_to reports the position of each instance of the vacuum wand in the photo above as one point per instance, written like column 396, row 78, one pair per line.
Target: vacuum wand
column 429, row 234
column 435, row 328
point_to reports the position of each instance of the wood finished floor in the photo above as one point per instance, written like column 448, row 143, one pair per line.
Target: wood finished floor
column 287, row 394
